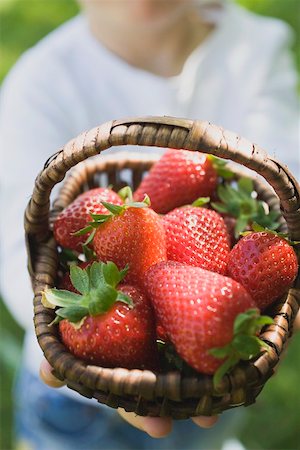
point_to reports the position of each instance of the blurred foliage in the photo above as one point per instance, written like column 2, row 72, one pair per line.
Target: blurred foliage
column 273, row 422
column 287, row 10
column 24, row 22
column 11, row 336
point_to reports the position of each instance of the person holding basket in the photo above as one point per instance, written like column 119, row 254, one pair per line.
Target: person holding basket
column 196, row 59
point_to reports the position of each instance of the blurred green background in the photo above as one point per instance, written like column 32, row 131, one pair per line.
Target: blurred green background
column 273, row 422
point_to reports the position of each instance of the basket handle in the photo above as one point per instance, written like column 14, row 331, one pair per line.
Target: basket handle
column 161, row 132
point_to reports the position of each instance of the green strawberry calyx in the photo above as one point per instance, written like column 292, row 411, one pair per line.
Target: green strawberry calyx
column 241, row 202
column 97, row 287
column 114, row 210
column 256, row 228
column 201, row 201
column 220, row 166
column 245, row 343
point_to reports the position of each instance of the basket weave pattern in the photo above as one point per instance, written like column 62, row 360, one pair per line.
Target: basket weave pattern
column 145, row 392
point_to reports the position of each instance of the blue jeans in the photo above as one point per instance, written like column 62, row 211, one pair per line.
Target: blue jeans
column 45, row 419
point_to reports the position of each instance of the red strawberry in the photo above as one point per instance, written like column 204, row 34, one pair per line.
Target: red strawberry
column 265, row 264
column 198, row 309
column 134, row 236
column 161, row 332
column 178, row 178
column 198, row 237
column 104, row 326
column 77, row 215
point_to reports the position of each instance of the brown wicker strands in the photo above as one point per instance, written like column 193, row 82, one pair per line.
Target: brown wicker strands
column 145, row 392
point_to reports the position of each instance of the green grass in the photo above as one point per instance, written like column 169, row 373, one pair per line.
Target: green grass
column 273, row 422
column 10, row 357
column 287, row 10
column 24, row 22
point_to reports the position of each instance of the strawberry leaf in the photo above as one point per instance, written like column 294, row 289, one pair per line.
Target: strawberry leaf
column 245, row 185
column 223, row 369
column 57, row 297
column 100, row 217
column 79, row 279
column 144, row 204
column 244, row 344
column 113, row 209
column 66, row 256
column 124, row 299
column 224, row 193
column 126, row 194
column 240, row 225
column 239, row 202
column 96, row 275
column 97, row 283
column 124, row 272
column 258, row 228
column 227, row 174
column 112, row 274
column 220, row 167
column 83, row 231
column 220, row 352
column 72, row 313
column 220, row 207
column 147, row 200
column 102, row 299
column 201, row 201
column 261, row 321
column 87, row 251
column 241, row 323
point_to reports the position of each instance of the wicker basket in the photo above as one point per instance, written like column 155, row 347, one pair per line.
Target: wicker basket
column 145, row 392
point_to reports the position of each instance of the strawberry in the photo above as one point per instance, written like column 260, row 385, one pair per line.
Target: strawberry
column 103, row 325
column 77, row 215
column 265, row 264
column 200, row 311
column 131, row 235
column 161, row 332
column 178, row 178
column 198, row 237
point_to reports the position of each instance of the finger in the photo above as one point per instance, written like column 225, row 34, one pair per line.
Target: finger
column 156, row 427
column 205, row 421
column 47, row 376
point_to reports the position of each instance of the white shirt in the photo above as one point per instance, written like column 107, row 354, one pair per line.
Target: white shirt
column 241, row 78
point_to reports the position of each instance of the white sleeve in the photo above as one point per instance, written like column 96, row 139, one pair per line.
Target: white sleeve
column 273, row 116
column 32, row 127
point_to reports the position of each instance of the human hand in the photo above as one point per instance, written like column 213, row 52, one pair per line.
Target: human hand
column 156, row 427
